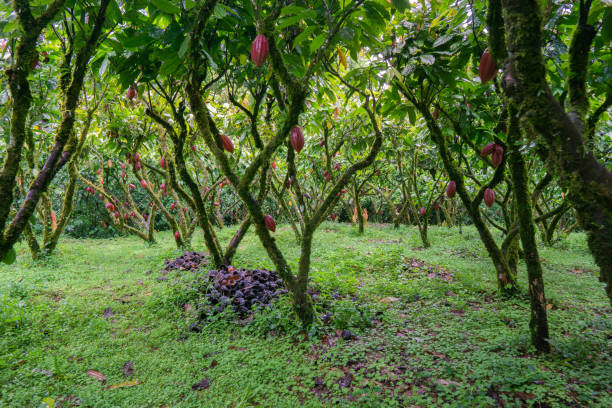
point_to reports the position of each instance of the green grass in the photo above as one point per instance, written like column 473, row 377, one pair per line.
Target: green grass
column 438, row 343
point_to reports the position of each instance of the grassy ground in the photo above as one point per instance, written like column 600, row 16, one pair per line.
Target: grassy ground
column 429, row 329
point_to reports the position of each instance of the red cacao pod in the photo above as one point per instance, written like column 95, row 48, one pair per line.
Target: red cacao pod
column 116, row 214
column 273, row 165
column 436, row 206
column 128, row 156
column 487, row 68
column 136, row 157
column 436, row 114
column 269, row 221
column 487, row 149
column 451, row 188
column 98, row 171
column 132, row 186
column 288, row 183
column 296, row 137
column 131, row 92
column 193, row 149
column 137, row 166
column 125, row 216
column 122, row 166
column 227, row 144
column 143, row 183
column 489, row 197
column 336, row 166
column 259, row 50
column 132, row 214
column 123, row 174
column 333, row 216
column 163, row 186
column 176, row 235
column 110, row 206
column 172, row 206
column 422, row 211
column 497, row 156
column 162, row 163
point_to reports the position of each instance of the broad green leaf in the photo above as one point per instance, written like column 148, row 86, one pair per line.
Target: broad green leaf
column 166, row 6
column 10, row 257
column 317, row 42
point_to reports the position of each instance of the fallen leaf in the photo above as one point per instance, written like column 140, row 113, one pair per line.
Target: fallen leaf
column 202, row 385
column 128, row 369
column 124, row 384
column 97, row 375
column 389, row 300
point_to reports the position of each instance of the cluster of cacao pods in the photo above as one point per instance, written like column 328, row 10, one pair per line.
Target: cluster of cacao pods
column 487, row 68
column 327, row 176
column 269, row 221
column 451, row 189
column 496, row 151
column 259, row 50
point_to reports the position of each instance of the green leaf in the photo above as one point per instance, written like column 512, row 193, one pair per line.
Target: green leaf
column 401, row 5
column 317, row 42
column 103, row 67
column 427, row 59
column 166, row 6
column 304, row 35
column 184, row 47
column 10, row 256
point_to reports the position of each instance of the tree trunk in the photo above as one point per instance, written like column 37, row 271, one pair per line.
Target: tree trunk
column 538, row 323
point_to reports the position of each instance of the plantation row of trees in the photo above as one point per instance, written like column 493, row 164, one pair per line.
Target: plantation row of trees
column 197, row 114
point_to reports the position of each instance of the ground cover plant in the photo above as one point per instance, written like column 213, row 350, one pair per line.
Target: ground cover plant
column 425, row 328
column 365, row 197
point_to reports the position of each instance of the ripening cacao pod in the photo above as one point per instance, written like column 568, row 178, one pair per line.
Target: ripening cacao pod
column 193, row 149
column 137, row 166
column 487, row 149
column 489, row 197
column 123, row 174
column 296, row 137
column 227, row 144
column 497, row 156
column 273, row 165
column 436, row 114
column 110, row 206
column 116, row 214
column 333, row 216
column 143, row 183
column 176, row 235
column 269, row 221
column 132, row 186
column 343, row 191
column 451, row 188
column 136, row 157
column 259, row 50
column 98, row 171
column 436, row 206
column 288, row 183
column 336, row 166
column 125, row 216
column 122, row 166
column 487, row 68
column 163, row 186
column 131, row 92
column 422, row 211
column 128, row 156
column 162, row 163
column 172, row 206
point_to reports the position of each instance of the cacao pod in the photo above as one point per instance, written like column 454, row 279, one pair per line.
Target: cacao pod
column 422, row 211
column 288, row 183
column 436, row 114
column 487, row 149
column 100, row 196
column 296, row 137
column 451, row 188
column 110, row 206
column 162, row 163
column 497, row 156
column 176, row 235
column 269, row 221
column 136, row 157
column 172, row 206
column 227, row 143
column 193, row 149
column 333, row 216
column 143, row 183
column 131, row 92
column 487, row 68
column 132, row 186
column 436, row 206
column 489, row 197
column 273, row 165
column 132, row 214
column 259, row 50
column 116, row 214
column 122, row 166
column 163, row 186
column 123, row 174
column 137, row 166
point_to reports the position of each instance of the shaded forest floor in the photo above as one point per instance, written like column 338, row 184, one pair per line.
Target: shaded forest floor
column 408, row 328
